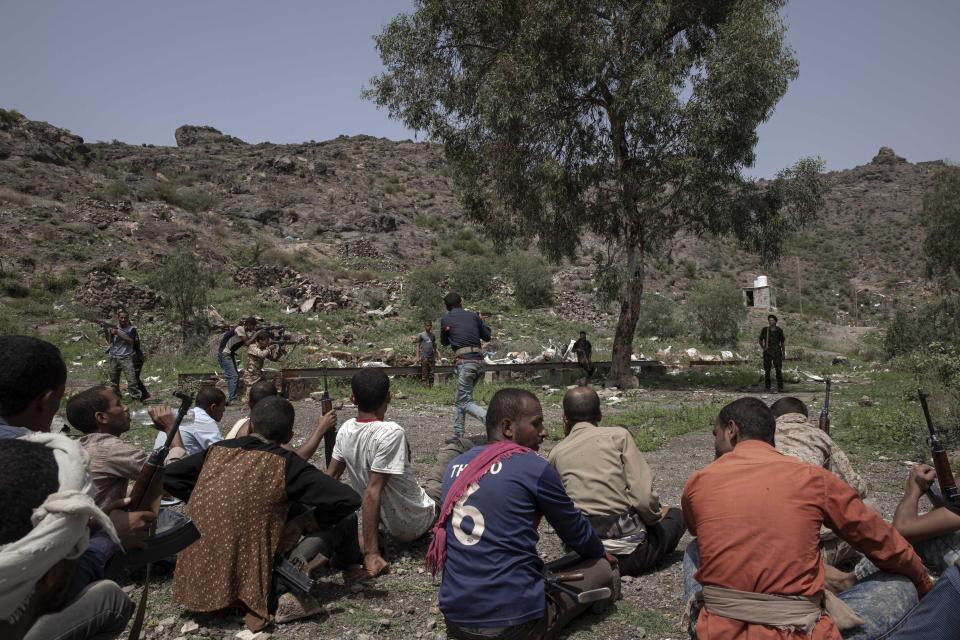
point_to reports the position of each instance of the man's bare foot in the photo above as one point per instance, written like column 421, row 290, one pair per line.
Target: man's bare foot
column 836, row 580
column 375, row 565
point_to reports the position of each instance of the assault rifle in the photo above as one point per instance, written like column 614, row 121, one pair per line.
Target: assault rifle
column 940, row 462
column 824, row 423
column 557, row 581
column 326, row 406
column 146, row 496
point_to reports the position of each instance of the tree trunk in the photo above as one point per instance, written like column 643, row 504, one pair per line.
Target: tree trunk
column 621, row 373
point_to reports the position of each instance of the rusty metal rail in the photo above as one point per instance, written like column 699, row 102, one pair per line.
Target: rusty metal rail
column 295, row 380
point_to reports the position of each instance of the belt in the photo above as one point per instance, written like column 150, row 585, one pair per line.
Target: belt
column 462, row 351
column 794, row 613
column 616, row 526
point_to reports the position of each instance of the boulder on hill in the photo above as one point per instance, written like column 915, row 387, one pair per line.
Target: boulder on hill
column 190, row 135
column 40, row 141
column 887, row 156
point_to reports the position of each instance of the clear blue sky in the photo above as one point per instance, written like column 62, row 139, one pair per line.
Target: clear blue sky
column 872, row 73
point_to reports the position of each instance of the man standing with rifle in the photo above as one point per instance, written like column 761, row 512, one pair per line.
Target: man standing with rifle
column 124, row 343
column 772, row 342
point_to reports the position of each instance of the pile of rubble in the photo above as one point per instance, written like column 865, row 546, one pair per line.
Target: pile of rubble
column 579, row 308
column 102, row 214
column 289, row 287
column 359, row 248
column 106, row 293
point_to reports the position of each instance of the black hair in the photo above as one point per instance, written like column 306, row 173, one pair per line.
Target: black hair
column 506, row 404
column 28, row 474
column 28, row 368
column 452, row 300
column 83, row 407
column 783, row 406
column 260, row 390
column 209, row 395
column 774, row 318
column 581, row 404
column 370, row 387
column 583, row 333
column 753, row 417
column 273, row 418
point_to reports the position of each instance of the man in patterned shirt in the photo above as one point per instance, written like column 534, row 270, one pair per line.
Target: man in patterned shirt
column 796, row 436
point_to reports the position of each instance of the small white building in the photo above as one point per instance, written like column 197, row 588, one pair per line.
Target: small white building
column 761, row 295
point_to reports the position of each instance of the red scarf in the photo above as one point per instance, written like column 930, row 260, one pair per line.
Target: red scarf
column 476, row 469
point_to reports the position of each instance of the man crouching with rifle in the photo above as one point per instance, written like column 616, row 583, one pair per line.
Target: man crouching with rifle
column 485, row 540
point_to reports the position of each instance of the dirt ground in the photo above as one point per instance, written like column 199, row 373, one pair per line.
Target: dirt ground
column 404, row 603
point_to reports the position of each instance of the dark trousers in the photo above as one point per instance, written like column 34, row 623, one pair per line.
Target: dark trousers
column 584, row 361
column 560, row 608
column 772, row 360
column 662, row 539
column 340, row 543
column 426, row 371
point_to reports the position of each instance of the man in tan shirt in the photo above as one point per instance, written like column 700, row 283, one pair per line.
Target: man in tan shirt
column 610, row 482
column 797, row 437
column 98, row 413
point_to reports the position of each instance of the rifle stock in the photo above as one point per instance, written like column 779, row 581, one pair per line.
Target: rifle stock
column 940, row 461
column 330, row 437
column 824, row 422
column 149, row 485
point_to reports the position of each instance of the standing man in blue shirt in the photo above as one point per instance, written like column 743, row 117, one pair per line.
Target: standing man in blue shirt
column 493, row 584
column 464, row 331
column 123, row 344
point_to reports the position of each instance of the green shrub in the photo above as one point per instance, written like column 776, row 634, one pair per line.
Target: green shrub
column 113, row 191
column 718, row 310
column 531, row 280
column 12, row 285
column 188, row 200
column 658, row 318
column 473, row 277
column 424, row 292
column 184, row 280
column 935, row 322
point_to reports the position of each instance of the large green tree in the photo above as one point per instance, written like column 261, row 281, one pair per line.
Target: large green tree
column 628, row 119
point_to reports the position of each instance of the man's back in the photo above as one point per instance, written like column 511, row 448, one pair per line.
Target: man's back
column 798, row 438
column 492, row 574
column 198, row 434
column 405, row 509
column 604, row 473
column 461, row 328
column 757, row 515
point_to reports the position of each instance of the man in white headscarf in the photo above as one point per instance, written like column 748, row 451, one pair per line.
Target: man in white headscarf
column 46, row 498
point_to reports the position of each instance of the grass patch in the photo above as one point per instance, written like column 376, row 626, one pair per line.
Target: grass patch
column 892, row 425
column 652, row 425
column 655, row 622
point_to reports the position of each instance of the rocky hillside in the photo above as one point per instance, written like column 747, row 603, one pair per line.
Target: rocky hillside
column 338, row 224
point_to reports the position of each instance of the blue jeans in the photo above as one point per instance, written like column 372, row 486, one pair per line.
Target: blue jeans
column 467, row 375
column 231, row 374
column 938, row 554
column 937, row 617
column 882, row 601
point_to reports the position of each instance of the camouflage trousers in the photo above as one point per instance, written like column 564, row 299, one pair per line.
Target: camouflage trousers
column 882, row 600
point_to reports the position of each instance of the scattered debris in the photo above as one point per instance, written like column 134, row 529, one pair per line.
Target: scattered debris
column 105, row 293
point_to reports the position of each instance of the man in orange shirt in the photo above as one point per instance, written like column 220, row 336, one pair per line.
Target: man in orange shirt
column 757, row 515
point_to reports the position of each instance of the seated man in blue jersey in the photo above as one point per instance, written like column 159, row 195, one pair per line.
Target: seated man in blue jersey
column 485, row 541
